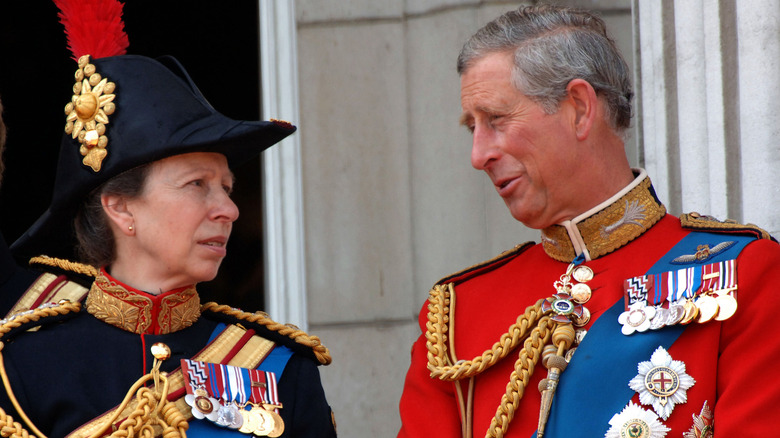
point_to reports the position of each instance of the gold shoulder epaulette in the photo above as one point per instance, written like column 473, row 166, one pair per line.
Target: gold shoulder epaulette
column 49, row 288
column 487, row 265
column 65, row 265
column 321, row 352
column 700, row 222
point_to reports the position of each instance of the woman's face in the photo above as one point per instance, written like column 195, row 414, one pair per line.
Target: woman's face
column 181, row 222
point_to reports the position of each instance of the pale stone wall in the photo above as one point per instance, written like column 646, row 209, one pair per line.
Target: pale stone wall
column 709, row 121
column 391, row 203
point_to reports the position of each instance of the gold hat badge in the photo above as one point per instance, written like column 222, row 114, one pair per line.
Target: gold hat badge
column 88, row 111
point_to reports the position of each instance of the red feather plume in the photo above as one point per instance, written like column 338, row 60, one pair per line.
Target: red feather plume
column 93, row 27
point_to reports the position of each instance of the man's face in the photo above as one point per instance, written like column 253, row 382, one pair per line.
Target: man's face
column 527, row 154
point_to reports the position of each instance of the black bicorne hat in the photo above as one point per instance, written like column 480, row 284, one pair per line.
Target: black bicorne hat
column 142, row 110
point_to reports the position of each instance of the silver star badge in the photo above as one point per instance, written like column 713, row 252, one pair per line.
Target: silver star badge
column 662, row 383
column 634, row 421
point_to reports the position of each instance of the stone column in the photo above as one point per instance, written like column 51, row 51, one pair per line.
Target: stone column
column 708, row 105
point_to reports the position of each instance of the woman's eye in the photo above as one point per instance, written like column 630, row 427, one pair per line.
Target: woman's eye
column 196, row 183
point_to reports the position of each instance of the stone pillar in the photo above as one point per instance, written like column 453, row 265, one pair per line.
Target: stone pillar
column 708, row 105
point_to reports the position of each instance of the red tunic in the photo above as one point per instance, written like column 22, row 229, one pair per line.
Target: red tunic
column 731, row 361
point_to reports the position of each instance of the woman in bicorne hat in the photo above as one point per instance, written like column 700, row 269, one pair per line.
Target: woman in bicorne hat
column 145, row 170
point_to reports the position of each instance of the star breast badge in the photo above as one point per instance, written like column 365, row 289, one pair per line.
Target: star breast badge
column 636, row 422
column 662, row 383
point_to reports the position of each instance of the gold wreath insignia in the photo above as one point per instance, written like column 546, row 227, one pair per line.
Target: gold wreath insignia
column 88, row 111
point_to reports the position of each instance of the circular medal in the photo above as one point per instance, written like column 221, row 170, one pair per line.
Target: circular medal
column 579, row 335
column 250, row 422
column 660, row 318
column 204, row 405
column 569, row 354
column 266, row 423
column 635, row 428
column 708, row 308
column 238, row 418
column 278, row 425
column 636, row 317
column 676, row 313
column 662, row 382
column 690, row 312
column 727, row 305
column 580, row 321
column 581, row 293
column 226, row 415
column 583, row 274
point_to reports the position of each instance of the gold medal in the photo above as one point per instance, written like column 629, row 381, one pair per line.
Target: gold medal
column 265, row 425
column 691, row 311
column 250, row 422
column 583, row 274
column 728, row 306
column 708, row 308
column 581, row 293
column 278, row 424
column 580, row 321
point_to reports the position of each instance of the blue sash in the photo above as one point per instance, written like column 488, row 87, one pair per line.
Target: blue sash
column 594, row 386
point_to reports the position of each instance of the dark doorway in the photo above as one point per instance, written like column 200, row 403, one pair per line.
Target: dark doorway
column 218, row 44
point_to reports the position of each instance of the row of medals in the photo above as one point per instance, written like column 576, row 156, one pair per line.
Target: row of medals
column 705, row 307
column 260, row 420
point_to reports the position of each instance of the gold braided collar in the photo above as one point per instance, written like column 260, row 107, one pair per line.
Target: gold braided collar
column 608, row 226
column 138, row 312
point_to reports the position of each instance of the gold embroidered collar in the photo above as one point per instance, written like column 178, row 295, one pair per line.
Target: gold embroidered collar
column 135, row 311
column 608, row 226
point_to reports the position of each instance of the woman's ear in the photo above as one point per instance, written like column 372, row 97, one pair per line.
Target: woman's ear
column 115, row 207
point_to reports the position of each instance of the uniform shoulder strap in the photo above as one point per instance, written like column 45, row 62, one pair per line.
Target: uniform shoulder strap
column 700, row 222
column 283, row 334
column 488, row 265
column 49, row 288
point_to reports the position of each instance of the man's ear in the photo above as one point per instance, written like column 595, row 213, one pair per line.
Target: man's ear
column 115, row 207
column 582, row 97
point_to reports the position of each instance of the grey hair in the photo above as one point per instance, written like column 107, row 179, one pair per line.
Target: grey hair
column 96, row 244
column 552, row 46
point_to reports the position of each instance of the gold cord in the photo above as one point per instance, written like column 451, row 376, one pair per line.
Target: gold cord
column 8, row 427
column 66, row 265
column 436, row 335
column 533, row 329
column 299, row 336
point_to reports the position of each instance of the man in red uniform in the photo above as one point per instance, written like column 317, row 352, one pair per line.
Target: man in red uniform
column 624, row 320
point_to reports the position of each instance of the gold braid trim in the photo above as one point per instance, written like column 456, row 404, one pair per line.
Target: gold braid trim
column 321, row 352
column 9, row 427
column 65, row 265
